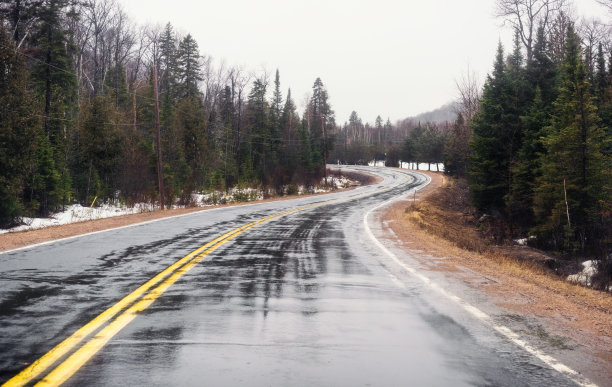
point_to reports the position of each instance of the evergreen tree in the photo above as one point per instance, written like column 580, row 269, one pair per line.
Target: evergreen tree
column 275, row 129
column 526, row 170
column 228, row 143
column 574, row 188
column 276, row 108
column 456, row 151
column 55, row 82
column 322, row 120
column 541, row 71
column 491, row 135
column 191, row 124
column 289, row 123
column 189, row 68
column 259, row 131
column 19, row 133
column 168, row 64
column 102, row 140
column 19, row 14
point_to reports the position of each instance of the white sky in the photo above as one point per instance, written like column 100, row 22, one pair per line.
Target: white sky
column 396, row 58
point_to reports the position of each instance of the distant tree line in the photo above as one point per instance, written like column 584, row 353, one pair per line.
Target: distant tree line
column 77, row 118
column 406, row 141
column 537, row 150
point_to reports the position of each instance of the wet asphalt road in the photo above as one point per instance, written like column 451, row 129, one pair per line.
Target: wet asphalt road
column 304, row 299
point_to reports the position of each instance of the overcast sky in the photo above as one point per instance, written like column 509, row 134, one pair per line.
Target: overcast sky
column 396, row 58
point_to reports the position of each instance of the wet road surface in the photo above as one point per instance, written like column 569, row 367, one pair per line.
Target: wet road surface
column 302, row 299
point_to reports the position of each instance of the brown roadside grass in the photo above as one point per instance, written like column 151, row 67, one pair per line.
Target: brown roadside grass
column 515, row 278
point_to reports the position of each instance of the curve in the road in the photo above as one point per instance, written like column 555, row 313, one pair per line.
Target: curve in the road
column 476, row 312
column 119, row 315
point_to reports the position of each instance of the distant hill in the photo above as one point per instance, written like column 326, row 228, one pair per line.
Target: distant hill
column 445, row 113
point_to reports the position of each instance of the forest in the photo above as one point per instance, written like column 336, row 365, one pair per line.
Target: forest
column 78, row 119
column 535, row 143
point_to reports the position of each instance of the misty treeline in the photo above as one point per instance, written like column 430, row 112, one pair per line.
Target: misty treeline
column 77, row 117
column 536, row 143
column 408, row 140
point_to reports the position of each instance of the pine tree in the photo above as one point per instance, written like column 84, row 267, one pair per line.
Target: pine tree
column 574, row 188
column 19, row 133
column 526, row 170
column 56, row 84
column 102, row 140
column 276, row 105
column 289, row 123
column 541, row 72
column 491, row 136
column 191, row 124
column 189, row 68
column 456, row 151
column 275, row 128
column 168, row 63
column 321, row 124
column 259, row 130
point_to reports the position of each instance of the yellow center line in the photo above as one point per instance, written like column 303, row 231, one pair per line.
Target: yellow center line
column 139, row 301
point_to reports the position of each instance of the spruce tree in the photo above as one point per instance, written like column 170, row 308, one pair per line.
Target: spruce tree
column 20, row 129
column 259, row 130
column 189, row 68
column 55, row 82
column 322, row 120
column 574, row 188
column 490, row 141
column 526, row 170
column 191, row 124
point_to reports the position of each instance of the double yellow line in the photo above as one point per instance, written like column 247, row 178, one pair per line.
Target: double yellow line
column 110, row 322
column 123, row 312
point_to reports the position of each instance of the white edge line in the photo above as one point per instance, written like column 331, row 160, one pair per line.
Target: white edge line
column 575, row 376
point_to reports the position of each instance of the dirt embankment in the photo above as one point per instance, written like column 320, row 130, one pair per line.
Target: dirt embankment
column 14, row 240
column 515, row 278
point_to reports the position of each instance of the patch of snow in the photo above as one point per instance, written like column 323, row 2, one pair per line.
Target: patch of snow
column 586, row 275
column 521, row 242
column 333, row 182
column 524, row 241
column 78, row 213
column 422, row 166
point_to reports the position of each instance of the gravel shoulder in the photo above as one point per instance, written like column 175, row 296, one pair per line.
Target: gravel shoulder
column 574, row 322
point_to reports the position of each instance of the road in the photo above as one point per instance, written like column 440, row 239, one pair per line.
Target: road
column 293, row 292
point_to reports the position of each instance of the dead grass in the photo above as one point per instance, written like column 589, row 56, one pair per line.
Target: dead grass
column 515, row 278
column 447, row 213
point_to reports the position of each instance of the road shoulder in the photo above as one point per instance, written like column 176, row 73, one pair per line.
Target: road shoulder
column 574, row 322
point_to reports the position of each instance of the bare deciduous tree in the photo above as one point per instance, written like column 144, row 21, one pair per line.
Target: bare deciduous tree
column 593, row 32
column 469, row 94
column 526, row 15
column 557, row 34
column 606, row 3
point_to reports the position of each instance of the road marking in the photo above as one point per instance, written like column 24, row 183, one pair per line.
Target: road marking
column 40, row 365
column 573, row 375
column 27, row 247
column 139, row 300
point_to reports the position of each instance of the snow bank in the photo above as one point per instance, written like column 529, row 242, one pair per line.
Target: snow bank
column 585, row 276
column 422, row 166
column 78, row 213
column 333, row 182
